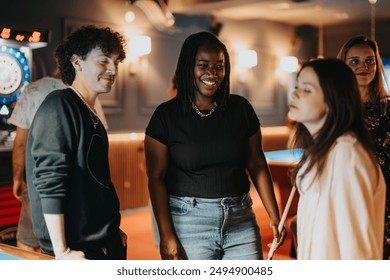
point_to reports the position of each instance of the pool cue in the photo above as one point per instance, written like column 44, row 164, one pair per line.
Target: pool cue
column 281, row 223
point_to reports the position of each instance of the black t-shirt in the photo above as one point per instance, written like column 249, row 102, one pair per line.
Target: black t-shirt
column 207, row 155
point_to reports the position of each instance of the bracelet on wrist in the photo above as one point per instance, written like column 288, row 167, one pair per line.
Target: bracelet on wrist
column 63, row 254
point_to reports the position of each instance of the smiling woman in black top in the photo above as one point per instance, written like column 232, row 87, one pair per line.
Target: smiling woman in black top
column 200, row 147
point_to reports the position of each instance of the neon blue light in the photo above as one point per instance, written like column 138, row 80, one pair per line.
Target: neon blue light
column 24, row 67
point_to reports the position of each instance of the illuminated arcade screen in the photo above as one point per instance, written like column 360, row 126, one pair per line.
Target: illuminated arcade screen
column 14, row 65
column 386, row 65
column 14, row 73
column 34, row 36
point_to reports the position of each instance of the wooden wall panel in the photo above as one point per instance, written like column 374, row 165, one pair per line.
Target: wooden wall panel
column 127, row 166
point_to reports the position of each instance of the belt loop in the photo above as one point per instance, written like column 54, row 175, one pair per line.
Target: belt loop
column 193, row 202
column 244, row 199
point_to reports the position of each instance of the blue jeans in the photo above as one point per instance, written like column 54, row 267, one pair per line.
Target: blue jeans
column 216, row 228
column 25, row 232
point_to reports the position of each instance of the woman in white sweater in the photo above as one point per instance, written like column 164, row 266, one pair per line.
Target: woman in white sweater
column 341, row 187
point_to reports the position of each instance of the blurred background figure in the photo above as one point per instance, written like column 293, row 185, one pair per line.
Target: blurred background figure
column 362, row 55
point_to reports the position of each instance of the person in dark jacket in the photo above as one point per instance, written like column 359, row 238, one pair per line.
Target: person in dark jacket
column 75, row 208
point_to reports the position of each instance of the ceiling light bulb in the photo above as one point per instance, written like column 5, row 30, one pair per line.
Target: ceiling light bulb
column 129, row 16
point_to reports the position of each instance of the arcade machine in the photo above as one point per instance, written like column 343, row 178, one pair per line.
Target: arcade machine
column 15, row 73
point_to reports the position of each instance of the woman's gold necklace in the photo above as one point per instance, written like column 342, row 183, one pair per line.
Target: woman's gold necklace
column 95, row 123
column 200, row 113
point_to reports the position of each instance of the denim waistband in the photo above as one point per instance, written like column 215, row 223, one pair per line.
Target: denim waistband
column 242, row 199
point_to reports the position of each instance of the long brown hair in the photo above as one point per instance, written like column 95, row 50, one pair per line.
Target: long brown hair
column 377, row 93
column 345, row 114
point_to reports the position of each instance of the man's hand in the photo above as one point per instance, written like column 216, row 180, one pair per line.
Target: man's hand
column 71, row 255
column 18, row 188
column 18, row 160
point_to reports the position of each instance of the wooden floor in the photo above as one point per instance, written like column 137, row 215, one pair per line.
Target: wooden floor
column 138, row 226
